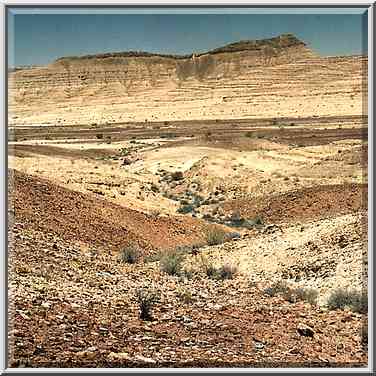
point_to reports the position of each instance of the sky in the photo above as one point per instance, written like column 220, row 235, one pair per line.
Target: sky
column 37, row 37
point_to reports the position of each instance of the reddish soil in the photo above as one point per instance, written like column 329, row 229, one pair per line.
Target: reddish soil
column 304, row 205
column 81, row 217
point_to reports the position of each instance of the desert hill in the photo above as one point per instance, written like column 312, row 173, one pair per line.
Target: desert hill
column 274, row 77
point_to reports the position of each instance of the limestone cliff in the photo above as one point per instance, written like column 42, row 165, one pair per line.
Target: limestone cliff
column 273, row 77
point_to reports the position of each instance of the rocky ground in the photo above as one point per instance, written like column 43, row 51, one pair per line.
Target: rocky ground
column 289, row 209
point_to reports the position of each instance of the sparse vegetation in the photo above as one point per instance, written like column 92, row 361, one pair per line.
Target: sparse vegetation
column 292, row 295
column 171, row 263
column 352, row 299
column 146, row 299
column 308, row 295
column 130, row 255
column 215, row 236
column 185, row 209
column 277, row 288
column 226, row 271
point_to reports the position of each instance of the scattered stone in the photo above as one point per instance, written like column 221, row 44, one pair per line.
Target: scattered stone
column 305, row 330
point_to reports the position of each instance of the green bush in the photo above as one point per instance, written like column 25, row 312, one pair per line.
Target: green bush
column 342, row 298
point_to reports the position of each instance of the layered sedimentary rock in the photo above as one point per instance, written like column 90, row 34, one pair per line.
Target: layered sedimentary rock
column 268, row 78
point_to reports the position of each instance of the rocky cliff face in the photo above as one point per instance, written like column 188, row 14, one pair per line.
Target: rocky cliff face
column 267, row 78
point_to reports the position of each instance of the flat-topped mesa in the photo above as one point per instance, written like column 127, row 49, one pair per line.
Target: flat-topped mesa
column 280, row 42
column 272, row 77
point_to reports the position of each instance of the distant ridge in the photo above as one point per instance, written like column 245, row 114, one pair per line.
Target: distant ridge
column 279, row 42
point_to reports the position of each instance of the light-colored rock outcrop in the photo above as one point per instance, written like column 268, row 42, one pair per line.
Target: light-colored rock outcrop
column 269, row 78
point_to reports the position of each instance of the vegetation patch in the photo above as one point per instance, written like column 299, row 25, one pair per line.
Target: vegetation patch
column 146, row 299
column 130, row 255
column 292, row 295
column 226, row 271
column 171, row 263
column 215, row 236
column 352, row 299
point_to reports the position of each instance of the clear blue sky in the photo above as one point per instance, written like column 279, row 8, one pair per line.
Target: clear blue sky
column 37, row 39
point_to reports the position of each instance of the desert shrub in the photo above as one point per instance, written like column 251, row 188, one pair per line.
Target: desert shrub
column 129, row 255
column 146, row 299
column 292, row 295
column 197, row 199
column 171, row 263
column 226, row 271
column 308, row 295
column 342, row 298
column 215, row 236
column 99, row 136
column 185, row 209
column 277, row 288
